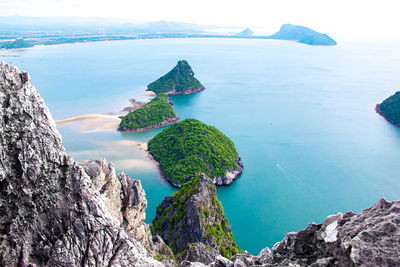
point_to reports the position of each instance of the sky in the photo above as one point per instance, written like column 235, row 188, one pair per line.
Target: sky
column 342, row 19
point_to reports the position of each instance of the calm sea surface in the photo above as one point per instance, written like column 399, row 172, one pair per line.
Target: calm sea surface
column 302, row 119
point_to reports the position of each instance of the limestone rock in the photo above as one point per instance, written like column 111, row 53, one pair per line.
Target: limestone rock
column 198, row 252
column 370, row 238
column 51, row 211
column 123, row 197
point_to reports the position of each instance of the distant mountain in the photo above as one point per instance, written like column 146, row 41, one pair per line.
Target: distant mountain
column 303, row 35
column 246, row 32
column 93, row 25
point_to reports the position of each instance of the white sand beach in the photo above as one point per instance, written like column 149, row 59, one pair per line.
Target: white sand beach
column 91, row 123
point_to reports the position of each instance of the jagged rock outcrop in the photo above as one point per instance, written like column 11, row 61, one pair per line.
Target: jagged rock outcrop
column 370, row 238
column 53, row 211
column 192, row 222
column 123, row 197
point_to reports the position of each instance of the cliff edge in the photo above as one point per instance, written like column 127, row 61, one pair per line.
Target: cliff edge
column 53, row 211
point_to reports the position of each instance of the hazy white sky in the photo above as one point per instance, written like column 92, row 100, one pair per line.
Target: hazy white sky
column 346, row 19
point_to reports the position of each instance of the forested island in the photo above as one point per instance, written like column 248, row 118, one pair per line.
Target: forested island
column 179, row 81
column 390, row 109
column 157, row 113
column 191, row 147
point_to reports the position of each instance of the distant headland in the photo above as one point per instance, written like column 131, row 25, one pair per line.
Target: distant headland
column 302, row 35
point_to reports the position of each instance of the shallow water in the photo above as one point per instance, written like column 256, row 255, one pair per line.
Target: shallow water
column 301, row 117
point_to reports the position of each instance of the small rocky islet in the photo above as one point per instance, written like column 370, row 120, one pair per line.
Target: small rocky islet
column 58, row 212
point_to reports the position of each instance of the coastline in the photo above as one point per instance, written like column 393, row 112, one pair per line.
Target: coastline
column 378, row 110
column 159, row 125
column 89, row 116
column 187, row 92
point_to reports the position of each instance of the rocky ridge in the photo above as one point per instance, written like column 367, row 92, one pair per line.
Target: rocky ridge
column 54, row 211
column 192, row 222
column 370, row 238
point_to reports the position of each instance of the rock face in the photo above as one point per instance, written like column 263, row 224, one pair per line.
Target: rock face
column 53, row 211
column 303, row 35
column 192, row 222
column 370, row 238
column 124, row 198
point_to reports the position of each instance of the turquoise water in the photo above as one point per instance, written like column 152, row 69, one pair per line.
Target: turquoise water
column 302, row 119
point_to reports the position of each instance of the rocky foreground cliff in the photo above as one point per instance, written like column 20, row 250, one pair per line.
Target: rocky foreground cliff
column 57, row 212
column 54, row 211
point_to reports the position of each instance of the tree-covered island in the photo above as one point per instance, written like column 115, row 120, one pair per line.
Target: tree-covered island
column 157, row 113
column 191, row 147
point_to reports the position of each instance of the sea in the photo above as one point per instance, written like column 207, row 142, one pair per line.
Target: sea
column 302, row 119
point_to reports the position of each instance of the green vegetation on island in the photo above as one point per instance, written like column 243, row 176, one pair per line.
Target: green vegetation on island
column 180, row 80
column 390, row 109
column 18, row 43
column 190, row 147
column 157, row 113
column 193, row 219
